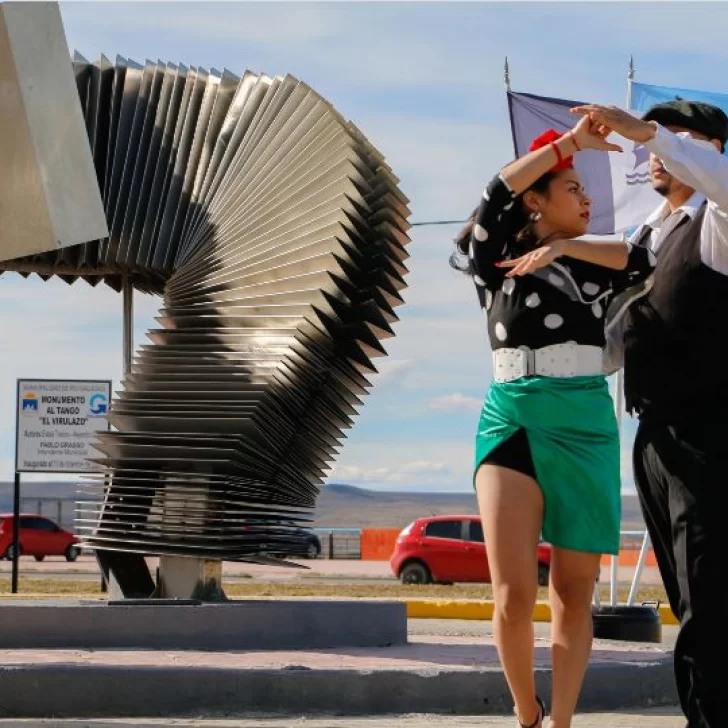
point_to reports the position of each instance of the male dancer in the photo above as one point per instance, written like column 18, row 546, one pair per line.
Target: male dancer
column 675, row 346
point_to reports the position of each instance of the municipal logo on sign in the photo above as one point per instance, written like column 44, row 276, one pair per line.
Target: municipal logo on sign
column 98, row 405
column 57, row 421
column 30, row 403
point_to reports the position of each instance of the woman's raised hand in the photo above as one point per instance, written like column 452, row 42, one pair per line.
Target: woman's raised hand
column 589, row 134
column 534, row 259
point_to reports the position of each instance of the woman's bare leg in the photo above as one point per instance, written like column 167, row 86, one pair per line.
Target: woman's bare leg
column 573, row 575
column 511, row 508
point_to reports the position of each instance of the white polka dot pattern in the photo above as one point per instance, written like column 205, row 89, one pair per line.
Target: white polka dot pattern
column 537, row 309
column 553, row 321
column 555, row 280
column 480, row 233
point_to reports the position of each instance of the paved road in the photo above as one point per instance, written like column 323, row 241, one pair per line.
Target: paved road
column 656, row 718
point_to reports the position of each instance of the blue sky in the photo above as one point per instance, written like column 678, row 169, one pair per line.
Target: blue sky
column 424, row 81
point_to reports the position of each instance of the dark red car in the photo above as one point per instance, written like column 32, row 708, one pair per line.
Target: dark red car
column 39, row 537
column 446, row 549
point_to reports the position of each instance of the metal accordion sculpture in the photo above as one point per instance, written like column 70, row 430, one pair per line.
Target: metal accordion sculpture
column 276, row 235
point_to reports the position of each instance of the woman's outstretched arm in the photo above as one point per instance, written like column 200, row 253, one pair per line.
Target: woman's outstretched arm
column 524, row 171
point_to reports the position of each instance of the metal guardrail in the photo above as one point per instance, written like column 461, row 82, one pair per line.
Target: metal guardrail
column 336, row 543
column 339, row 543
column 614, row 567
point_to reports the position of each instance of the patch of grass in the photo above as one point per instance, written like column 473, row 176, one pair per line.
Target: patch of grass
column 65, row 587
column 395, row 590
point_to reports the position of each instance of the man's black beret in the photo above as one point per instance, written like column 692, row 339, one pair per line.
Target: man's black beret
column 694, row 115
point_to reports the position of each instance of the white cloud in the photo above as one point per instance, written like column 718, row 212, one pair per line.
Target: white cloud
column 454, row 401
column 416, row 473
column 392, row 372
column 406, row 462
column 359, row 473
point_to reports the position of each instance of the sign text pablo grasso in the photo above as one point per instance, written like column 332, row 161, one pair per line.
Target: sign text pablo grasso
column 57, row 422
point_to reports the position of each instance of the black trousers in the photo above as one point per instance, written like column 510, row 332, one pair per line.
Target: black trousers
column 681, row 475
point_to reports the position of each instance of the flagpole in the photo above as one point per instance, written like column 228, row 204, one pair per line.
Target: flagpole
column 619, row 380
column 619, row 383
column 630, row 79
column 507, row 84
column 637, row 576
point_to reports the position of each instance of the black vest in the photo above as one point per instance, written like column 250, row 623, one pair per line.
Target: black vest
column 676, row 337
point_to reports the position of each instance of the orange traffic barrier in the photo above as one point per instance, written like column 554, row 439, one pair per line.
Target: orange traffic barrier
column 377, row 544
column 628, row 557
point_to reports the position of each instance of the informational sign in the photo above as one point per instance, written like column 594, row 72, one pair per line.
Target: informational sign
column 57, row 422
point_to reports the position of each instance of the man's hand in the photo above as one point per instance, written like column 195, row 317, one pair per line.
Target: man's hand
column 613, row 119
column 534, row 259
column 589, row 135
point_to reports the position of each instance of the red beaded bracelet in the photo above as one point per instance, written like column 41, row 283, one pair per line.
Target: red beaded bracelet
column 573, row 139
column 559, row 158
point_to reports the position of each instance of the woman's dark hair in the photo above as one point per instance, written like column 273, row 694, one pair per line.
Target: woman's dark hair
column 519, row 231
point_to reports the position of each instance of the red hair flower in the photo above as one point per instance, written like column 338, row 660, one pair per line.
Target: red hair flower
column 548, row 137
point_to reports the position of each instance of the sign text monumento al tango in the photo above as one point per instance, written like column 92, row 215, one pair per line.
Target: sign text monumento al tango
column 56, row 423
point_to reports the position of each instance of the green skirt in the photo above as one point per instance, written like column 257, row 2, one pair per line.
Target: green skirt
column 574, row 443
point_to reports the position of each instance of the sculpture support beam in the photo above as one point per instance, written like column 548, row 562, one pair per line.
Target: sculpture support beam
column 180, row 577
column 49, row 193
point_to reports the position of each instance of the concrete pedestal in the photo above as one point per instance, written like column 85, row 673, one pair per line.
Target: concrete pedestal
column 186, row 578
column 235, row 625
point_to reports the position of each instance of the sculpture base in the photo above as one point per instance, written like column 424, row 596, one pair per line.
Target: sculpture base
column 185, row 578
column 184, row 625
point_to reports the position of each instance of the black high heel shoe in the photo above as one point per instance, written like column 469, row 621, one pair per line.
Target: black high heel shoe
column 539, row 718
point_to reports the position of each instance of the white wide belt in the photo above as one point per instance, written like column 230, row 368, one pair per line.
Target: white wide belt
column 557, row 360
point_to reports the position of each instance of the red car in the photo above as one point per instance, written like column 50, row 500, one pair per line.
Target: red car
column 446, row 549
column 39, row 537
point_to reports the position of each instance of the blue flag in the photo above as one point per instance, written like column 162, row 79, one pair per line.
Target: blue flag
column 644, row 96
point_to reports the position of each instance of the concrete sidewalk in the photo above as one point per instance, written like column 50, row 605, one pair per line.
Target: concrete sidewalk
column 434, row 673
column 653, row 718
column 422, row 653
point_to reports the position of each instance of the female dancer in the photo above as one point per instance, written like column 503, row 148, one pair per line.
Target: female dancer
column 547, row 447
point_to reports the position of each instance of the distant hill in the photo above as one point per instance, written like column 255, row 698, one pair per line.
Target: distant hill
column 339, row 505
column 344, row 506
column 347, row 506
